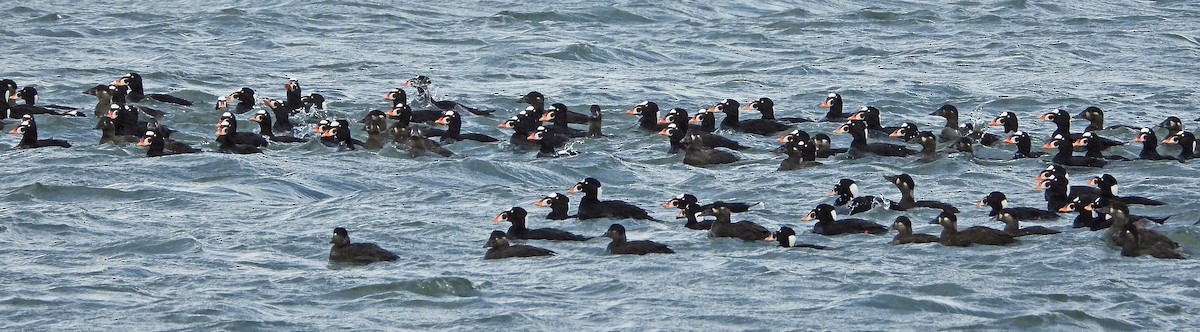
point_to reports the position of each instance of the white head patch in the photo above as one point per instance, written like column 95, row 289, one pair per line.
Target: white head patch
column 832, row 95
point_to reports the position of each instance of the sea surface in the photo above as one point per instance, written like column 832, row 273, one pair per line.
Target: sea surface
column 98, row 237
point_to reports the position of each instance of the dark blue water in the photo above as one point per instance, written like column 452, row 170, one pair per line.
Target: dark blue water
column 97, row 237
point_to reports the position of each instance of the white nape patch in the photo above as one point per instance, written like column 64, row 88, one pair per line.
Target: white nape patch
column 791, row 241
column 832, row 95
column 598, row 191
column 1004, row 203
column 530, row 108
column 833, row 214
column 854, row 189
column 1114, row 190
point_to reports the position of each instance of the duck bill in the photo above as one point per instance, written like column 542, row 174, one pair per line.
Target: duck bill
column 769, row 238
column 505, row 125
column 827, row 103
column 748, row 106
column 221, row 131
column 546, row 117
column 543, row 202
column 995, row 122
column 112, row 114
column 406, row 83
column 1139, row 138
column 1092, row 181
column 329, row 133
column 267, row 102
column 500, row 217
column 635, row 110
column 1049, row 145
column 17, row 130
column 1067, row 208
column 665, row 132
column 1078, row 143
column 1045, row 117
column 670, row 203
column 533, row 137
column 394, row 111
column 1171, row 140
column 840, row 130
column 783, row 139
column 679, row 215
column 979, row 203
column 1010, row 140
column 807, row 217
column 442, row 121
column 857, row 116
column 896, row 133
column 695, row 119
column 119, row 82
column 318, row 129
column 572, row 189
column 1089, row 207
column 145, row 141
column 390, row 95
column 256, row 118
column 1041, row 185
column 663, row 121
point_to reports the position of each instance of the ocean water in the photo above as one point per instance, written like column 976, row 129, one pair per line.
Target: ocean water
column 98, row 237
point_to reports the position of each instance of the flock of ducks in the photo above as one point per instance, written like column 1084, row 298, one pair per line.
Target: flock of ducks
column 120, row 106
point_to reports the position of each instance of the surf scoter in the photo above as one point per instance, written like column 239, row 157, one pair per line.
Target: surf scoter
column 724, row 227
column 108, row 133
column 591, row 207
column 422, row 82
column 103, row 94
column 137, row 93
column 229, row 123
column 906, row 185
column 500, row 248
column 453, row 123
column 245, row 99
column 283, row 123
column 1065, row 155
column 1133, row 245
column 647, row 113
column 951, row 236
column 1008, row 121
column 950, row 130
column 29, row 96
column 800, row 154
column 344, row 251
column 516, row 215
column 679, row 117
column 870, row 115
column 1172, row 124
column 418, row 144
column 903, row 227
column 1094, row 148
column 929, row 152
column 682, row 200
column 705, row 119
column 595, row 122
column 766, row 106
column 559, row 206
column 998, row 202
column 1024, row 145
column 848, row 196
column 1187, row 144
column 754, row 126
column 696, row 154
column 834, row 102
column 1095, row 117
column 1012, row 226
column 535, row 100
column 1108, row 188
column 1119, row 212
column 1062, row 123
column 906, row 132
column 546, row 144
column 860, row 148
column 828, row 224
column 621, row 246
column 787, row 239
column 264, row 128
column 824, row 149
column 231, row 145
column 29, row 135
column 558, row 116
column 1059, row 192
column 156, row 145
column 1149, row 145
column 399, row 100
